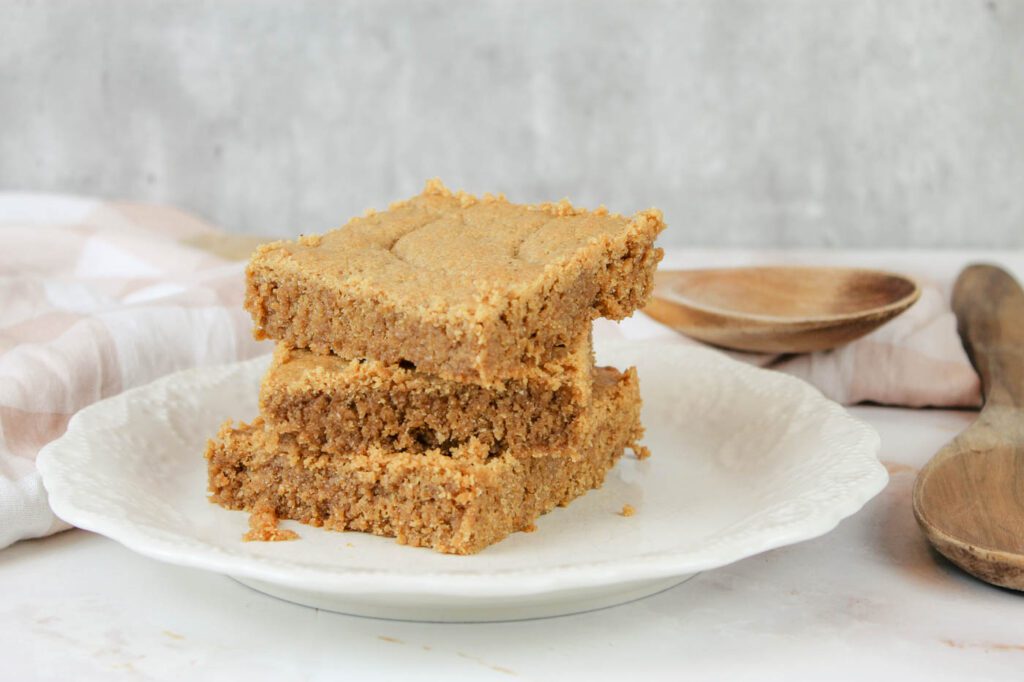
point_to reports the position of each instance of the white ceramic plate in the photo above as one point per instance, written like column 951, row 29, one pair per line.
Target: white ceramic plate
column 744, row 460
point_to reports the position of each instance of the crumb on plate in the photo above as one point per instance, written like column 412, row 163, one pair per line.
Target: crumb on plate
column 263, row 528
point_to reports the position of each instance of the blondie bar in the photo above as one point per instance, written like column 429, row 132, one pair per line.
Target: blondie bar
column 466, row 288
column 455, row 505
column 345, row 406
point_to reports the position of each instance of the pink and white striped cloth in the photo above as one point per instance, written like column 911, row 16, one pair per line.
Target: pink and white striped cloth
column 98, row 297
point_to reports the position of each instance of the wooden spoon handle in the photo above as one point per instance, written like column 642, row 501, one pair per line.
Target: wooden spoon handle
column 989, row 308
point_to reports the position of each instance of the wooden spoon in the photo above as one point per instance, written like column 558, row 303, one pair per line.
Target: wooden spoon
column 779, row 309
column 969, row 499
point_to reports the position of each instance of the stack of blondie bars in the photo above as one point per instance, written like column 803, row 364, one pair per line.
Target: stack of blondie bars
column 434, row 379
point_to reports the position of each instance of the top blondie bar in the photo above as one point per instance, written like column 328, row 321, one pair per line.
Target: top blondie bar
column 468, row 288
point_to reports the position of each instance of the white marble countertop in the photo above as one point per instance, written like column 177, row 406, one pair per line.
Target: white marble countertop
column 869, row 598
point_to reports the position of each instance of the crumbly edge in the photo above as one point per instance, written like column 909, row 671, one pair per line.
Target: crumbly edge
column 263, row 527
column 348, row 406
column 611, row 277
column 426, row 500
column 435, row 187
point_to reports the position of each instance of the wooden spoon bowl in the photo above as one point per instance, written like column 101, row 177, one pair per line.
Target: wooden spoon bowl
column 779, row 309
column 969, row 499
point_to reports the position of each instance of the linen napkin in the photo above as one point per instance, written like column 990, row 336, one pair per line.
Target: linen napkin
column 98, row 297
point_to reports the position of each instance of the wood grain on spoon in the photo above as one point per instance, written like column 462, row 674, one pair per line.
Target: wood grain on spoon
column 779, row 309
column 969, row 499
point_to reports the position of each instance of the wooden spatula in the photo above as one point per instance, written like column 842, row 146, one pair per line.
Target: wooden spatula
column 969, row 498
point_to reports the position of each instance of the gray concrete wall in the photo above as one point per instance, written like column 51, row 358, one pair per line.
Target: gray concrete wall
column 791, row 122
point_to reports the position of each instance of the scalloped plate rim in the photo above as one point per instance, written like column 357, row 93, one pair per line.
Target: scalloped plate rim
column 355, row 581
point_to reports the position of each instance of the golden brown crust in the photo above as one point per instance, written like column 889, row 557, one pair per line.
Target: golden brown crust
column 424, row 499
column 469, row 289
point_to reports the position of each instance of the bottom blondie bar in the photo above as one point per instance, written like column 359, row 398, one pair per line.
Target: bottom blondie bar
column 427, row 499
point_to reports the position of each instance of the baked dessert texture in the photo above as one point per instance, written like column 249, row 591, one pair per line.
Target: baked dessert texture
column 427, row 499
column 466, row 288
column 263, row 528
column 343, row 406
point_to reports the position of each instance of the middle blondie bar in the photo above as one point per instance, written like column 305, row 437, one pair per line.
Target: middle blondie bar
column 344, row 406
